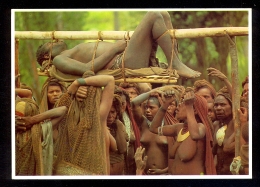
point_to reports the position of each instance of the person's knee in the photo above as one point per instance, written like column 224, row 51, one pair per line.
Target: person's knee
column 154, row 15
column 165, row 15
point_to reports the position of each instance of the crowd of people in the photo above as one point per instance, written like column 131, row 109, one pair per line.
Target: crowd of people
column 95, row 126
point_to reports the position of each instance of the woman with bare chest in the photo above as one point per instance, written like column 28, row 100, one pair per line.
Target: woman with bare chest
column 156, row 147
column 192, row 148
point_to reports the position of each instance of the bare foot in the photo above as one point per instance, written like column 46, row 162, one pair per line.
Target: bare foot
column 183, row 70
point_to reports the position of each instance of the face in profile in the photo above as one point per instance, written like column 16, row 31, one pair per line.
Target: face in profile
column 211, row 112
column 172, row 107
column 181, row 111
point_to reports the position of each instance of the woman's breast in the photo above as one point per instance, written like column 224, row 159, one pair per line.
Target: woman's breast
column 148, row 138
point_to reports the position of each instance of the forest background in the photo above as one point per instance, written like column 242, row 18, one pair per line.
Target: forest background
column 197, row 53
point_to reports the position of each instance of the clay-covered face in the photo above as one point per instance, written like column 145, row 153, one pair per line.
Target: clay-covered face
column 132, row 93
column 111, row 116
column 206, row 93
column 151, row 108
column 53, row 93
column 222, row 108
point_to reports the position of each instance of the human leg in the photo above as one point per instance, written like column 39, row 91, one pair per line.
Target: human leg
column 163, row 41
column 154, row 25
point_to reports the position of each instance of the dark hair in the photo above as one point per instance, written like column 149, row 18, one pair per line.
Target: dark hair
column 52, row 83
column 130, row 85
column 41, row 51
column 120, row 91
column 117, row 103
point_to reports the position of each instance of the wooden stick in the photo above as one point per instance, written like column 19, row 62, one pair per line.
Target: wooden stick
column 235, row 91
column 120, row 35
column 17, row 62
column 147, row 80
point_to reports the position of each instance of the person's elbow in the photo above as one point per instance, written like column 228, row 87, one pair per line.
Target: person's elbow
column 197, row 135
column 63, row 110
column 56, row 60
column 111, row 79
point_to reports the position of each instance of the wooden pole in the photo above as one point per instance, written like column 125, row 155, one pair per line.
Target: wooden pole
column 235, row 91
column 119, row 35
column 17, row 85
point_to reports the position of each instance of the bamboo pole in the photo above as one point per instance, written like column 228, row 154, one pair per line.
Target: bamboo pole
column 17, row 63
column 235, row 91
column 119, row 35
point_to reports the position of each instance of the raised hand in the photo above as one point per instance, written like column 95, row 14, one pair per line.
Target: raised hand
column 189, row 98
column 139, row 160
column 216, row 73
column 166, row 96
column 243, row 114
column 72, row 89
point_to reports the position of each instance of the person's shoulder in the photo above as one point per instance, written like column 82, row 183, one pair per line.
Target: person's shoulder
column 118, row 122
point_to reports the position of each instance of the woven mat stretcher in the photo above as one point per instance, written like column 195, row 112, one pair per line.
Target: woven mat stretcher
column 146, row 75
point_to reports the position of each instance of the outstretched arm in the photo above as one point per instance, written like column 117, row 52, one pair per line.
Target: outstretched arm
column 197, row 130
column 55, row 115
column 216, row 73
column 23, row 93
